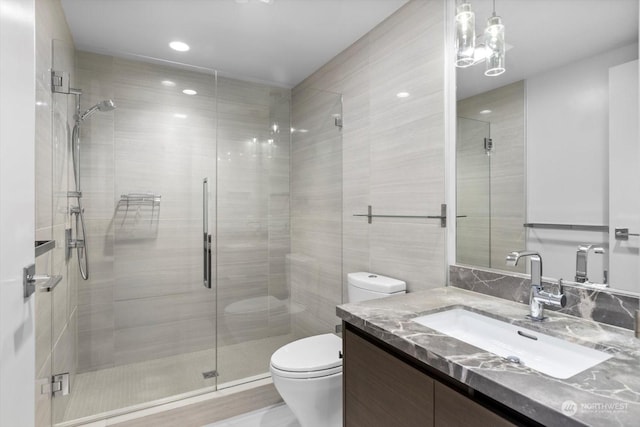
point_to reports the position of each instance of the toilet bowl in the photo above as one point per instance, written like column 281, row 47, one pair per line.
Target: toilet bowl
column 308, row 372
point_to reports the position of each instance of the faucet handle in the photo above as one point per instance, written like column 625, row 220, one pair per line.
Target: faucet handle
column 512, row 259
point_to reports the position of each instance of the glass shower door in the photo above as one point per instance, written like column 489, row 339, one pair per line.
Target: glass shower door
column 63, row 320
column 146, row 324
column 252, row 222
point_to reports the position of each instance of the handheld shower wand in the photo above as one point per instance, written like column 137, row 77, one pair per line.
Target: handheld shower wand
column 80, row 242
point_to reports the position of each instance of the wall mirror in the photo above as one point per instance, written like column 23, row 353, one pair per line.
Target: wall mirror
column 547, row 152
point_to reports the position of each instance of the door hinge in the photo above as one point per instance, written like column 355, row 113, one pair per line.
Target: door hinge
column 59, row 385
column 443, row 215
column 488, row 146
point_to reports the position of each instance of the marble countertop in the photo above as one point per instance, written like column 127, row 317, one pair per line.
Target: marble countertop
column 606, row 395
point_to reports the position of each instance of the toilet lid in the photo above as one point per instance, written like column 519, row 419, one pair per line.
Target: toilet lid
column 309, row 354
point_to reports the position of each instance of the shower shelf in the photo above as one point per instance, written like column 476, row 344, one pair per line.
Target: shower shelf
column 149, row 199
column 44, row 246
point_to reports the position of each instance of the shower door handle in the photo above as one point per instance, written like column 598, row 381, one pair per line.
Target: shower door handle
column 206, row 237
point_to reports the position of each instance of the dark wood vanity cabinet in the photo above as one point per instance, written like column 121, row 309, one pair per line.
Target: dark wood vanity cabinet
column 383, row 390
column 380, row 390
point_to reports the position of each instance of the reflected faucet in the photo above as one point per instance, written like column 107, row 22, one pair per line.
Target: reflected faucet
column 538, row 297
column 582, row 255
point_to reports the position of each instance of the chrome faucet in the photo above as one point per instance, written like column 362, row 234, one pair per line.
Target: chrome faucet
column 582, row 255
column 538, row 297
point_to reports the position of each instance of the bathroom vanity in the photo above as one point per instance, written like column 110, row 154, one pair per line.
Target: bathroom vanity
column 385, row 388
column 400, row 372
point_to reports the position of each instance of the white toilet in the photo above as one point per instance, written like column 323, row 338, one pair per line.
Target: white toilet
column 308, row 372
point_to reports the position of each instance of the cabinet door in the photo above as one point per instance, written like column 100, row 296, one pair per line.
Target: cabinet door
column 455, row 410
column 381, row 390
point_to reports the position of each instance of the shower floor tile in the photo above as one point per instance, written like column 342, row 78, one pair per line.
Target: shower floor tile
column 273, row 416
column 109, row 389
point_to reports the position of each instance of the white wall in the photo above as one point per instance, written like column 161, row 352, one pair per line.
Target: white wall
column 624, row 175
column 17, row 95
column 567, row 143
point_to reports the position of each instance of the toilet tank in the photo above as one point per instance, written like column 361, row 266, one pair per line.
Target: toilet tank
column 364, row 286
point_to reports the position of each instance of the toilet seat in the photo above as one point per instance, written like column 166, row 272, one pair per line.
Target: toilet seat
column 311, row 357
column 307, row 375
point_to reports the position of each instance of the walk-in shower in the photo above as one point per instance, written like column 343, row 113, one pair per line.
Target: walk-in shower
column 142, row 328
column 79, row 243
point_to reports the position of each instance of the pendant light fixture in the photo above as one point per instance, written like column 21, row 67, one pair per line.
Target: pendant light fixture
column 465, row 34
column 494, row 44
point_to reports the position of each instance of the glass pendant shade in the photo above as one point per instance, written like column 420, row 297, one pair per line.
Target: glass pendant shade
column 465, row 35
column 494, row 39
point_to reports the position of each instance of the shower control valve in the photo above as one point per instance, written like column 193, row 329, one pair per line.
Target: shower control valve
column 75, row 210
column 76, row 243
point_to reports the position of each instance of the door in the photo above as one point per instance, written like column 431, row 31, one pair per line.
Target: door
column 17, row 86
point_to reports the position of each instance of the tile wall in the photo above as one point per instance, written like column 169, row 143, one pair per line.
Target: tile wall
column 145, row 299
column 392, row 152
column 473, row 193
column 315, row 262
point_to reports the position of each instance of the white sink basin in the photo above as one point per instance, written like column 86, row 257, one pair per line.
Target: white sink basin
column 549, row 355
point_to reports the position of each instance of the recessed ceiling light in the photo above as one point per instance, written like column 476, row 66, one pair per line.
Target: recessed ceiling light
column 180, row 116
column 303, row 130
column 179, row 46
column 403, row 94
column 485, row 112
column 168, row 83
column 189, row 92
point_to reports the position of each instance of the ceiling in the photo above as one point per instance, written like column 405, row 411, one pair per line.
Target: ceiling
column 279, row 42
column 545, row 34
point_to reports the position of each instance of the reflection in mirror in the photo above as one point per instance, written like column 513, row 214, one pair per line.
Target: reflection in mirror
column 490, row 176
column 577, row 100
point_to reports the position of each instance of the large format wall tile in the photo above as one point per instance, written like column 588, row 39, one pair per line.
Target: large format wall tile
column 392, row 157
column 147, row 260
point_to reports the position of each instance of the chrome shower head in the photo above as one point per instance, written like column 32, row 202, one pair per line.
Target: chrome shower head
column 106, row 105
